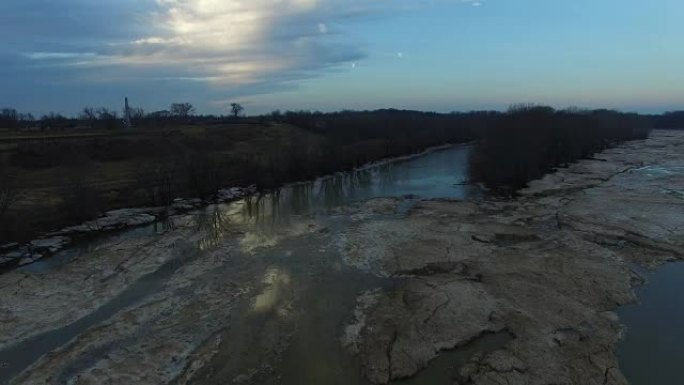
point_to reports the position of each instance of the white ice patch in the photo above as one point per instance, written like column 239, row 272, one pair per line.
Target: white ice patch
column 352, row 332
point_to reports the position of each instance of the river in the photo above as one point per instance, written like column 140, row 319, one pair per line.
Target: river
column 652, row 351
column 295, row 273
column 296, row 294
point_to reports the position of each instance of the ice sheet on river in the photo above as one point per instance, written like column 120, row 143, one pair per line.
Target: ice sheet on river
column 550, row 268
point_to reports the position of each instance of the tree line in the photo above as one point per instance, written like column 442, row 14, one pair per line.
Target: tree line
column 351, row 121
column 108, row 118
column 511, row 148
column 528, row 141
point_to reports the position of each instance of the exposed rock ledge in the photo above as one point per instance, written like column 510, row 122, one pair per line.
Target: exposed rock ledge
column 550, row 267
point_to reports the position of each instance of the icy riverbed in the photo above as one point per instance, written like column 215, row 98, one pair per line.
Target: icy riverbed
column 330, row 283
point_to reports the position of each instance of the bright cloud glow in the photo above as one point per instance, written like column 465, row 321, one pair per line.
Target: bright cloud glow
column 234, row 44
column 239, row 42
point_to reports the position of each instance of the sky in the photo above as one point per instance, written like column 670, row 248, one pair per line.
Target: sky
column 327, row 55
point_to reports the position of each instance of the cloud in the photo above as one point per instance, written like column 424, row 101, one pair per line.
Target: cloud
column 235, row 47
column 233, row 42
column 59, row 55
column 221, row 42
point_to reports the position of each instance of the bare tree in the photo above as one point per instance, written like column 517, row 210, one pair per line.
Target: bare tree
column 159, row 183
column 80, row 199
column 8, row 117
column 182, row 110
column 9, row 114
column 236, row 109
column 137, row 113
column 27, row 117
column 52, row 121
column 163, row 114
column 103, row 113
column 88, row 114
column 202, row 174
column 8, row 194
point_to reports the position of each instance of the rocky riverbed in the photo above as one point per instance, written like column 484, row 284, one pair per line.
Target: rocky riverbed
column 227, row 298
column 550, row 268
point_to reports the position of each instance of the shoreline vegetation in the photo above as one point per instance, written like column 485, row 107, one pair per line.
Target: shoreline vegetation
column 530, row 141
column 56, row 171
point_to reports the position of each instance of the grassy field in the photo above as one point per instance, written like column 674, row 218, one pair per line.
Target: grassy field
column 53, row 178
column 63, row 178
column 52, row 174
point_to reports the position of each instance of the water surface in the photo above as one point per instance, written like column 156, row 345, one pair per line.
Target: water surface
column 322, row 298
column 652, row 351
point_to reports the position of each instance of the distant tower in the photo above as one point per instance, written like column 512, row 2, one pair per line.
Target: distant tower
column 127, row 115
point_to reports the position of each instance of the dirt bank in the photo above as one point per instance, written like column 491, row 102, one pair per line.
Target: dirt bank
column 550, row 268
